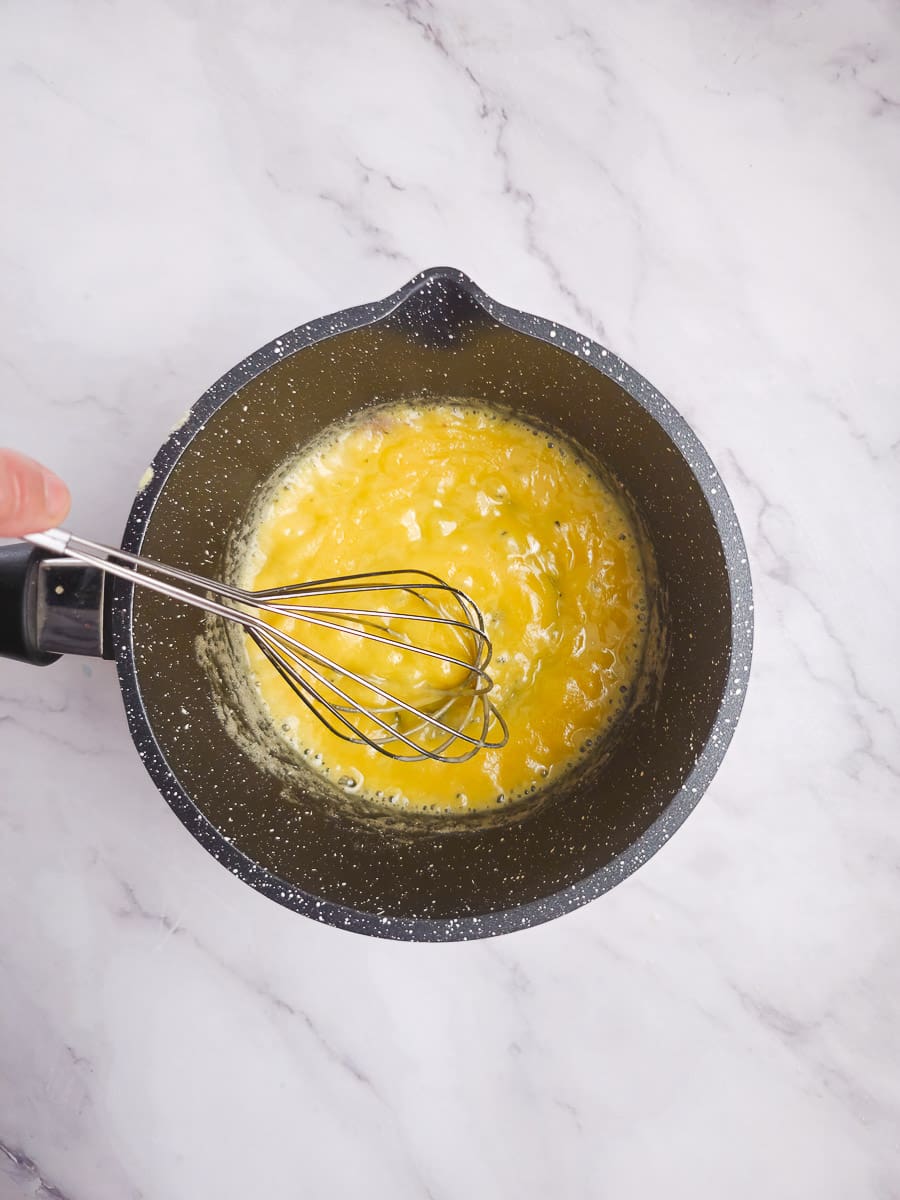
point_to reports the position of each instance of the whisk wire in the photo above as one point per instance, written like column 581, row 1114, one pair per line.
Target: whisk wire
column 303, row 657
column 304, row 691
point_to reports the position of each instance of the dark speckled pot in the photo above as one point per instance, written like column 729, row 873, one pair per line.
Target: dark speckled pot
column 439, row 335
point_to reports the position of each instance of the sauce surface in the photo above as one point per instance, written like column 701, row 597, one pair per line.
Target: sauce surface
column 517, row 520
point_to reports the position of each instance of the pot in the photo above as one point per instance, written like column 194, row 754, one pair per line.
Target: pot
column 439, row 335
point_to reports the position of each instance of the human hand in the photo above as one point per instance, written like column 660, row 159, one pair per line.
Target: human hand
column 31, row 497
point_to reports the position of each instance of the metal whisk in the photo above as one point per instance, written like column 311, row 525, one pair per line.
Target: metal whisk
column 448, row 720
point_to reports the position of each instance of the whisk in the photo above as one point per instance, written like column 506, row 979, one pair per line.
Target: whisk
column 452, row 719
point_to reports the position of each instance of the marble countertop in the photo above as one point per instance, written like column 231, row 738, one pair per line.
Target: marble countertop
column 713, row 192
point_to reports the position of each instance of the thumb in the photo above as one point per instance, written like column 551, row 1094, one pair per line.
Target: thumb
column 31, row 497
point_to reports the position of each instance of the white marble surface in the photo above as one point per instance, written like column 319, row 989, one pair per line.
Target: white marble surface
column 713, row 190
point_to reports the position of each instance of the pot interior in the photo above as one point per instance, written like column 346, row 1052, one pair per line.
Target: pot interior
column 439, row 343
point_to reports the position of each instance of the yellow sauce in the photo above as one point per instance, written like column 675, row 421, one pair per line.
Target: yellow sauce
column 515, row 519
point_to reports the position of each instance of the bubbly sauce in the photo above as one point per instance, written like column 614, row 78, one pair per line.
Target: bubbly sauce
column 517, row 520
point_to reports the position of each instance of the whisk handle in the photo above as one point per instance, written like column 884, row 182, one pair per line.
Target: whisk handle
column 19, row 566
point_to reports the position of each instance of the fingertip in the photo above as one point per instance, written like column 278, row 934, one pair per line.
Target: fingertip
column 56, row 498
